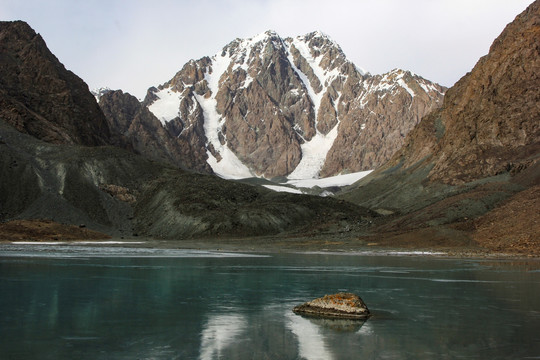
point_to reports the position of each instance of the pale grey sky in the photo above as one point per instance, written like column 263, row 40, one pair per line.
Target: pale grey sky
column 134, row 44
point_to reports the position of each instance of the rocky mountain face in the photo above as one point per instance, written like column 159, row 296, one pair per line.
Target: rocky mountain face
column 38, row 96
column 296, row 107
column 390, row 106
column 473, row 157
column 146, row 135
column 490, row 121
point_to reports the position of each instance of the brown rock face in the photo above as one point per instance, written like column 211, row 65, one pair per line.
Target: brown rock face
column 260, row 116
column 38, row 96
column 490, row 121
column 514, row 226
column 264, row 100
column 469, row 172
column 147, row 136
column 377, row 118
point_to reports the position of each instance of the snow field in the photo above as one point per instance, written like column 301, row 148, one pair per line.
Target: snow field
column 229, row 167
column 167, row 107
column 338, row 180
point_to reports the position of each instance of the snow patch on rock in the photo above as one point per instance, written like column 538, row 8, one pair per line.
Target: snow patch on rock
column 167, row 106
column 228, row 166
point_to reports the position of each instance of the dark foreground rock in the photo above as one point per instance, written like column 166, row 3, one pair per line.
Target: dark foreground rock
column 340, row 305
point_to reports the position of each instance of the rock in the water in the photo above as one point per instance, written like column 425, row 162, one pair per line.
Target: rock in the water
column 340, row 305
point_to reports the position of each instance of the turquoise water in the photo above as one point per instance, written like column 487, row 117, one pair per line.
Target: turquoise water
column 77, row 302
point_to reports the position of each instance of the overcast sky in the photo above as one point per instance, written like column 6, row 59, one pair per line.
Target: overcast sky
column 134, row 44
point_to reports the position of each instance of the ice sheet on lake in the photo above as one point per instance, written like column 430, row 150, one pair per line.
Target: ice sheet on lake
column 376, row 252
column 108, row 242
column 80, row 251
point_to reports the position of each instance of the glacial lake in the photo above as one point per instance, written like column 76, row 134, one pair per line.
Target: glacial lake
column 84, row 302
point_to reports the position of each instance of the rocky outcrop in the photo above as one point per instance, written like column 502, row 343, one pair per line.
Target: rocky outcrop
column 373, row 128
column 121, row 193
column 295, row 107
column 145, row 134
column 489, row 123
column 38, row 96
column 340, row 305
column 480, row 150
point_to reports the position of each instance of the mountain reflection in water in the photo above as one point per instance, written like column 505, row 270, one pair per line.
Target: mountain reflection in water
column 219, row 332
column 311, row 344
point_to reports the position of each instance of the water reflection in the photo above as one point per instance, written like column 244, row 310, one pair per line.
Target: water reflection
column 340, row 325
column 240, row 308
column 366, row 329
column 311, row 342
column 220, row 331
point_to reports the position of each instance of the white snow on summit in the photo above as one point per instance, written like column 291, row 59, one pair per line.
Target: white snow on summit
column 98, row 92
column 325, row 77
column 313, row 152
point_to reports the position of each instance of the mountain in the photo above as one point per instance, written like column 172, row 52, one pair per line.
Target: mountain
column 467, row 175
column 146, row 135
column 38, row 96
column 296, row 107
column 475, row 159
column 113, row 191
column 51, row 169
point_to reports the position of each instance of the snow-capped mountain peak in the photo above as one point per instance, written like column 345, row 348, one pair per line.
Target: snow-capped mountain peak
column 269, row 106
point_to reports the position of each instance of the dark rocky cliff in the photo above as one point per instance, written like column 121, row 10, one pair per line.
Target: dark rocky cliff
column 145, row 134
column 38, row 96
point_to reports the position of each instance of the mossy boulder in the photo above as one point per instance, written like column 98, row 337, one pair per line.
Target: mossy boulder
column 340, row 306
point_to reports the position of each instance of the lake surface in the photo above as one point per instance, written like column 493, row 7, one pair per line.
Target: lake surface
column 83, row 302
